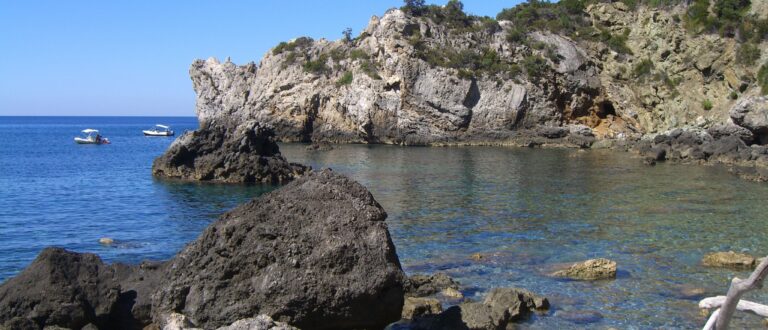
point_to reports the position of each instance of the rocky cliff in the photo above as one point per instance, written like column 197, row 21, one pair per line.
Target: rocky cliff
column 409, row 79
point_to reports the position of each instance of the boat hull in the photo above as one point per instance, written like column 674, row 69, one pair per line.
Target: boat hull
column 153, row 133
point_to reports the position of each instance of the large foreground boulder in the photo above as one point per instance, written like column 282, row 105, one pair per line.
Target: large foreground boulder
column 315, row 254
column 71, row 290
column 217, row 152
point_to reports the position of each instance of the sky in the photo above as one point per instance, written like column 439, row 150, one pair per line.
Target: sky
column 131, row 58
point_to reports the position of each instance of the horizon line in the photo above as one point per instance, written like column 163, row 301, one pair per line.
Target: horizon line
column 94, row 116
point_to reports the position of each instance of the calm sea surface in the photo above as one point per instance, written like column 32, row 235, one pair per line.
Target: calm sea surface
column 525, row 210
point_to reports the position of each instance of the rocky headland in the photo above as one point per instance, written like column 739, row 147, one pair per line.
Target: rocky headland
column 631, row 76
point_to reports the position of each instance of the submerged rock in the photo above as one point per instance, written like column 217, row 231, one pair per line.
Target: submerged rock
column 593, row 269
column 425, row 285
column 729, row 259
column 579, row 316
column 320, row 146
column 314, row 254
column 219, row 153
column 176, row 321
column 106, row 241
column 500, row 308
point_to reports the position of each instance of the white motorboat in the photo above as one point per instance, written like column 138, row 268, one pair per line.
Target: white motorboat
column 91, row 136
column 159, row 130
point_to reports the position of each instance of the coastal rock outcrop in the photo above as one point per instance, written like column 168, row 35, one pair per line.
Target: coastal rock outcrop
column 246, row 153
column 71, row 290
column 315, row 254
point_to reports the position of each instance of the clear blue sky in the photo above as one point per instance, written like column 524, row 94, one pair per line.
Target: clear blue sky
column 131, row 57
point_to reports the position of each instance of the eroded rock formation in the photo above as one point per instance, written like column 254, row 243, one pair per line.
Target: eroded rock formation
column 382, row 87
column 245, row 153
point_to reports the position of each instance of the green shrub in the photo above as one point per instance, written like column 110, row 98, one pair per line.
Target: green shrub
column 762, row 78
column 357, row 54
column 337, row 54
column 733, row 95
column 707, row 104
column 345, row 79
column 643, row 68
column 414, row 7
column 747, row 54
column 301, row 42
column 465, row 74
column 619, row 43
column 370, row 69
column 535, row 67
column 516, row 35
column 317, row 66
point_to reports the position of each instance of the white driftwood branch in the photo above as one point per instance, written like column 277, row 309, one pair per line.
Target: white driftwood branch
column 744, row 305
column 711, row 321
column 739, row 288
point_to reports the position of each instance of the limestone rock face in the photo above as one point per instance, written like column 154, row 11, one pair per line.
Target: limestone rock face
column 394, row 96
column 397, row 96
column 593, row 269
column 315, row 254
column 216, row 152
column 729, row 259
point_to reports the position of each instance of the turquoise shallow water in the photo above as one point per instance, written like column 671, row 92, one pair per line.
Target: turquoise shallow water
column 526, row 210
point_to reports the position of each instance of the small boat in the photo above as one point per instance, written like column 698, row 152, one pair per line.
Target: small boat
column 159, row 130
column 91, row 136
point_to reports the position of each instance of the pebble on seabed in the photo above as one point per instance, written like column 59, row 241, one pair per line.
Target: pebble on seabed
column 106, row 241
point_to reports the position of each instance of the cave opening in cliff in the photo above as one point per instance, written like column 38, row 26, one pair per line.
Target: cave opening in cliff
column 605, row 109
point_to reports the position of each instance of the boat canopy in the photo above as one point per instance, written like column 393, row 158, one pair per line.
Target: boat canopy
column 162, row 126
column 90, row 130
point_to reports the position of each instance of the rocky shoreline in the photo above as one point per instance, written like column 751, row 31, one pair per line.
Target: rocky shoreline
column 314, row 254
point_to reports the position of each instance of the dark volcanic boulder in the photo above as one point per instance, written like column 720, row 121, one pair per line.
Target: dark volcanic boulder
column 247, row 153
column 315, row 254
column 71, row 290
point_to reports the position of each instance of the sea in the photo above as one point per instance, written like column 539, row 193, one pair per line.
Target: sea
column 526, row 211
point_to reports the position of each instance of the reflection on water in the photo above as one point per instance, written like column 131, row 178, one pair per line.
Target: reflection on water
column 526, row 210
